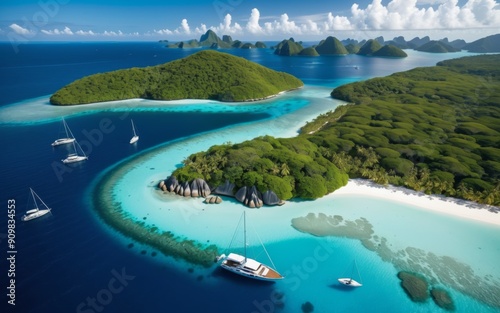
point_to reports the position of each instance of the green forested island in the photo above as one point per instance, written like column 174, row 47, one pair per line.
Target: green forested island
column 206, row 74
column 434, row 129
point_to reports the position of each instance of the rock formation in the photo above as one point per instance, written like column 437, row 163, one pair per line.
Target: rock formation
column 213, row 200
column 197, row 188
column 270, row 198
column 249, row 196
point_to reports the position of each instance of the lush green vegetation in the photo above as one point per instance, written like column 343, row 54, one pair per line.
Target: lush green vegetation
column 436, row 47
column 331, row 46
column 292, row 167
column 486, row 44
column 369, row 47
column 431, row 129
column 207, row 74
column 390, row 51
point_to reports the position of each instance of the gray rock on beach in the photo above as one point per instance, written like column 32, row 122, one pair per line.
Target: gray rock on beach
column 249, row 196
column 270, row 198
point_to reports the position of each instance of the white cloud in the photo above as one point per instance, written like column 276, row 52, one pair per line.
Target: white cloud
column 20, row 30
column 253, row 23
column 65, row 31
column 395, row 15
column 227, row 28
column 85, row 33
column 185, row 27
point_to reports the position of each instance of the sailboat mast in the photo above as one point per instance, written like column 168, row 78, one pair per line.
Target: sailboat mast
column 245, row 233
column 34, row 200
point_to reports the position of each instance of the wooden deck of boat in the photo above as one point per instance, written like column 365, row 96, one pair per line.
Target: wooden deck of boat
column 270, row 274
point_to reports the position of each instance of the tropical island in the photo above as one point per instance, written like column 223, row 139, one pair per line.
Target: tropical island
column 433, row 129
column 207, row 74
column 333, row 46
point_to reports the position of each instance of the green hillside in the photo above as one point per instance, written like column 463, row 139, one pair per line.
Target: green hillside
column 331, row 46
column 288, row 47
column 485, row 45
column 207, row 74
column 369, row 47
column 436, row 47
column 390, row 51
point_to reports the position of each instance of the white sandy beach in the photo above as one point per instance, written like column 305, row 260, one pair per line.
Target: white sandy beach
column 453, row 206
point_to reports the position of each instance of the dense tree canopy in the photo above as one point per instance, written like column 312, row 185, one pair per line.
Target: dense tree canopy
column 207, row 74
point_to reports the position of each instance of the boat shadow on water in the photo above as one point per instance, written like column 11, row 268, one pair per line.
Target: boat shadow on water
column 341, row 287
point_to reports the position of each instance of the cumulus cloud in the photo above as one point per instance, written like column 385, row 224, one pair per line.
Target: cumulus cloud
column 185, row 27
column 394, row 15
column 20, row 30
column 253, row 23
column 227, row 27
column 65, row 31
column 85, row 33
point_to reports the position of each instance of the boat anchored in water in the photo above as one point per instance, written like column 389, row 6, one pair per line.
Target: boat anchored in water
column 349, row 281
column 69, row 136
column 75, row 157
column 135, row 138
column 36, row 211
column 244, row 266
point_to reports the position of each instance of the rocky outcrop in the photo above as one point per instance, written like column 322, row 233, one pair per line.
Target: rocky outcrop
column 226, row 189
column 270, row 198
column 213, row 200
column 196, row 188
column 249, row 196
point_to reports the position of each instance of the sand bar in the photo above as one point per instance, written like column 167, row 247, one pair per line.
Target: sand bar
column 438, row 203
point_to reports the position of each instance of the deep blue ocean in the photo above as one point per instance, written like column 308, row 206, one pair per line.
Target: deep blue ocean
column 68, row 259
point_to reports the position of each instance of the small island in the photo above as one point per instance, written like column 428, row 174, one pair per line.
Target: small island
column 207, row 74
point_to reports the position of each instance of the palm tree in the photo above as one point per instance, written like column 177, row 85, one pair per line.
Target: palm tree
column 285, row 170
column 275, row 170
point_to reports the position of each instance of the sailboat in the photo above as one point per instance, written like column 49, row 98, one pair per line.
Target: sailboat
column 36, row 212
column 69, row 136
column 75, row 157
column 349, row 281
column 244, row 266
column 135, row 138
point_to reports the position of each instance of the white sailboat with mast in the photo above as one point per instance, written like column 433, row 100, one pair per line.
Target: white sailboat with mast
column 69, row 136
column 75, row 156
column 135, row 138
column 36, row 211
column 245, row 266
column 349, row 281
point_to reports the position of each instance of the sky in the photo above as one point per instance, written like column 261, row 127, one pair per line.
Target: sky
column 267, row 20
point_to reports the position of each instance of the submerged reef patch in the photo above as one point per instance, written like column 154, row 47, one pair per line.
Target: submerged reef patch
column 112, row 213
column 443, row 270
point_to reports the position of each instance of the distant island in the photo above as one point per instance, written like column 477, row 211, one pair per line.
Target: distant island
column 488, row 44
column 333, row 46
column 211, row 40
column 207, row 74
column 433, row 129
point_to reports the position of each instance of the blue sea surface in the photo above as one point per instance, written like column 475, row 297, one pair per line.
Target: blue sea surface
column 70, row 261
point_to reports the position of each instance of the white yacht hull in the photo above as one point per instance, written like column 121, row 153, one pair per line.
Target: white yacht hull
column 349, row 282
column 249, row 268
column 74, row 159
column 134, row 139
column 62, row 141
column 30, row 215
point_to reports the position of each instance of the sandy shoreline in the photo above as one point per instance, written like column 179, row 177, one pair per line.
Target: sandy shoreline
column 452, row 206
